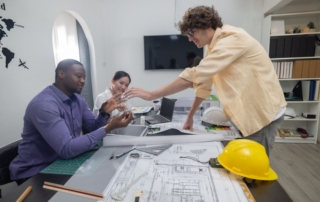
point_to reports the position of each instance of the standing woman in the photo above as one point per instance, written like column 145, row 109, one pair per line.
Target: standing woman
column 119, row 83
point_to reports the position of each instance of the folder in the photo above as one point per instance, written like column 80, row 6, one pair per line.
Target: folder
column 316, row 92
column 318, row 69
column 273, row 47
column 297, row 69
column 311, row 46
column 295, row 46
column 305, row 69
column 287, row 47
column 280, row 47
column 312, row 68
column 303, row 46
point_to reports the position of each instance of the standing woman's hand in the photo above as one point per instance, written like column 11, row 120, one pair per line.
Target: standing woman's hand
column 188, row 124
column 138, row 92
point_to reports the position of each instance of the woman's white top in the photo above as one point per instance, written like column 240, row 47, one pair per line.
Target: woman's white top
column 102, row 98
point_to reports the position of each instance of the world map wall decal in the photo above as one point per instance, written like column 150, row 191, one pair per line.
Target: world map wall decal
column 8, row 25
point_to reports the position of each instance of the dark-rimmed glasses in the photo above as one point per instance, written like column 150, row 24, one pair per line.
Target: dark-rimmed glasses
column 190, row 32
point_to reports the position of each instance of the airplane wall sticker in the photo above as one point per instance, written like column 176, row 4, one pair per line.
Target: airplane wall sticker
column 22, row 64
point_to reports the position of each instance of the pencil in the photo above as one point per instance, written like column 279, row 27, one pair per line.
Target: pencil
column 118, row 156
column 24, row 194
column 70, row 190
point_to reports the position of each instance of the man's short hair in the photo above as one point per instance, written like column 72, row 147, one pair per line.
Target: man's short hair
column 200, row 17
column 63, row 65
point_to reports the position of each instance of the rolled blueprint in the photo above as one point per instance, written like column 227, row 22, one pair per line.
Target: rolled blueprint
column 125, row 140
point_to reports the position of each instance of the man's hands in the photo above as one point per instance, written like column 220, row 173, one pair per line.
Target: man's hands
column 119, row 121
column 112, row 104
column 188, row 124
column 138, row 92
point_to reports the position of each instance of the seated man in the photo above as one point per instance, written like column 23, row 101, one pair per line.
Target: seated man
column 53, row 122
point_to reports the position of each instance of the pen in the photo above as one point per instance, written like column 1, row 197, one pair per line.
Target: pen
column 118, row 156
column 24, row 194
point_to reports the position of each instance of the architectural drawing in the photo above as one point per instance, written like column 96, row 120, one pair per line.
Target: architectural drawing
column 175, row 179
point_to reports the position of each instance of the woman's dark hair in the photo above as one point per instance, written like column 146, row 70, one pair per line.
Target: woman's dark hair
column 200, row 17
column 119, row 74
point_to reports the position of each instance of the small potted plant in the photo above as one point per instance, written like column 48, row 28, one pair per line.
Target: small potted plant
column 296, row 30
column 312, row 27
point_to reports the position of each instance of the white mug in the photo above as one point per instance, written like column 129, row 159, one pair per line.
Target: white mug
column 156, row 106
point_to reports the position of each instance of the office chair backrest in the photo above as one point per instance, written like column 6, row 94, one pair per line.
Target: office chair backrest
column 7, row 154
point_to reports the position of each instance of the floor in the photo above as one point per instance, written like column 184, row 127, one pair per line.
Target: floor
column 297, row 165
column 298, row 168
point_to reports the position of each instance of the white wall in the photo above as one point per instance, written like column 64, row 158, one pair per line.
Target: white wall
column 33, row 44
column 127, row 21
column 117, row 29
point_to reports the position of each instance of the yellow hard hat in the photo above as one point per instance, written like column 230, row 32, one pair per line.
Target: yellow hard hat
column 247, row 158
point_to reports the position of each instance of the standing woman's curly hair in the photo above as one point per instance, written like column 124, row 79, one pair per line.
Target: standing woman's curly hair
column 201, row 17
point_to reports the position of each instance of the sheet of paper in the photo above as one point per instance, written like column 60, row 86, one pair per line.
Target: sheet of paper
column 175, row 179
column 125, row 140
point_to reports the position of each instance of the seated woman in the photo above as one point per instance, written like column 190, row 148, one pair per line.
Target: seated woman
column 119, row 83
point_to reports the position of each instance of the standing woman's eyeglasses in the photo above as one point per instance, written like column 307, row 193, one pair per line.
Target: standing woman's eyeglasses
column 190, row 32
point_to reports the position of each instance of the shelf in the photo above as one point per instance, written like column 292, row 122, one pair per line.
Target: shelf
column 303, row 102
column 296, row 34
column 313, row 13
column 295, row 140
column 299, row 118
column 295, row 58
column 299, row 79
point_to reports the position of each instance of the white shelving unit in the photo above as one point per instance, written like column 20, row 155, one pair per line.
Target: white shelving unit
column 311, row 125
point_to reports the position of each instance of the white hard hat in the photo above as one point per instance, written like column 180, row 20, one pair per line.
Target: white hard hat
column 289, row 113
column 215, row 116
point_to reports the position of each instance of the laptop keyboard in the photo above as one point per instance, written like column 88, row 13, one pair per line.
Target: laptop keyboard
column 160, row 118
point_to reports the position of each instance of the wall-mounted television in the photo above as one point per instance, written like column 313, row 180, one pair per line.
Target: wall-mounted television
column 170, row 52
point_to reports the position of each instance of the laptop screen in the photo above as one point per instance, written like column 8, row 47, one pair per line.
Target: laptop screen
column 167, row 107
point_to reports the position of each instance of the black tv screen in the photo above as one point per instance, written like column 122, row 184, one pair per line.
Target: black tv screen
column 170, row 52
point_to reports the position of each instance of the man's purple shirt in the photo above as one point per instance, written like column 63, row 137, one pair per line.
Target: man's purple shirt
column 52, row 127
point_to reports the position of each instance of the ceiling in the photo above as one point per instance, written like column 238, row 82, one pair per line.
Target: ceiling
column 299, row 2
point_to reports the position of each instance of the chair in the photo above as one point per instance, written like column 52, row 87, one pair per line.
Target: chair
column 7, row 154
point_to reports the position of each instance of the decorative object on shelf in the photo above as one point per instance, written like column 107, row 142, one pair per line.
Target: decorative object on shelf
column 303, row 132
column 289, row 31
column 296, row 94
column 312, row 27
column 308, row 115
column 277, row 27
column 296, row 29
column 306, row 30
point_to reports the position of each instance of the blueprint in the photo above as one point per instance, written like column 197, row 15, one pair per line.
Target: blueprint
column 168, row 177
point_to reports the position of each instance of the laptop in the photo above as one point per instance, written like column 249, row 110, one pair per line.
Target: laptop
column 166, row 112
